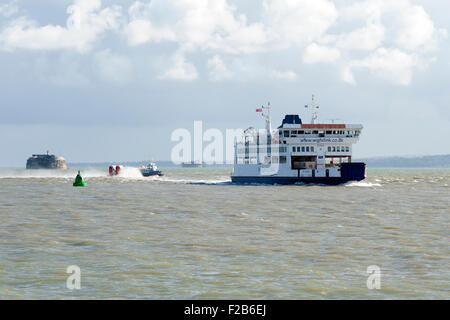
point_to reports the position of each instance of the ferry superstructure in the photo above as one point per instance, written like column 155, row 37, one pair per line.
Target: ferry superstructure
column 297, row 152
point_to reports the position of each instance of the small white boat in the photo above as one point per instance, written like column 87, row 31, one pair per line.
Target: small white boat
column 151, row 170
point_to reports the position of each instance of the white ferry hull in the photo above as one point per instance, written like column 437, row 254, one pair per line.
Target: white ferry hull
column 354, row 171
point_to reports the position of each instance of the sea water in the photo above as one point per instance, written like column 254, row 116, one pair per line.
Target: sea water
column 192, row 234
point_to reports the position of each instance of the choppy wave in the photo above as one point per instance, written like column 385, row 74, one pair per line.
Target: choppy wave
column 126, row 173
column 44, row 173
column 363, row 184
column 213, row 181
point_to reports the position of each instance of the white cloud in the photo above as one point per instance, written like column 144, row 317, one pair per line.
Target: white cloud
column 391, row 64
column 112, row 67
column 218, row 70
column 285, row 75
column 367, row 38
column 407, row 26
column 346, row 33
column 416, row 29
column 347, row 75
column 66, row 70
column 141, row 31
column 9, row 9
column 315, row 53
column 299, row 21
column 85, row 23
column 201, row 24
column 180, row 70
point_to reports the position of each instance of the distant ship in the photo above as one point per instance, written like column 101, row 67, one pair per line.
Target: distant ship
column 46, row 161
column 297, row 152
column 192, row 164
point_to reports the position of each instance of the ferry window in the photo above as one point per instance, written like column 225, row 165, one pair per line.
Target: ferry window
column 301, row 132
column 303, row 149
column 347, row 149
column 282, row 159
column 293, row 149
column 307, row 149
column 312, row 149
column 328, row 132
column 307, row 131
column 286, row 133
column 315, row 132
column 334, row 149
column 329, row 149
column 293, row 132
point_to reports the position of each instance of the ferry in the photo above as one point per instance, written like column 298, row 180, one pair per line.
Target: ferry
column 297, row 152
column 151, row 170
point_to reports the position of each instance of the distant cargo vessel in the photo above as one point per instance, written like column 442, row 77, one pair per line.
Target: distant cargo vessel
column 192, row 164
column 297, row 152
column 46, row 161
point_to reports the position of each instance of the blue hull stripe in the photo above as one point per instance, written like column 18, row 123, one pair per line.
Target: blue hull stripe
column 292, row 180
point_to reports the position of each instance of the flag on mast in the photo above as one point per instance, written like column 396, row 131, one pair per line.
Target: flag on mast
column 259, row 110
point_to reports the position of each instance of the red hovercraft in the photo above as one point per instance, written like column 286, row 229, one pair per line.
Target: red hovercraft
column 114, row 170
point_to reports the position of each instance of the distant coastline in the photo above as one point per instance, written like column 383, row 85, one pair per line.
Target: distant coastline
column 434, row 161
column 160, row 163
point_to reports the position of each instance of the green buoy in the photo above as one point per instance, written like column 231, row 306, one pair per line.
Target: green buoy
column 79, row 182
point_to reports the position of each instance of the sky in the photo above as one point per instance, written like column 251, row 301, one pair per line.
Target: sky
column 110, row 80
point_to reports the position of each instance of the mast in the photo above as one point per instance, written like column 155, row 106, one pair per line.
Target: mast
column 314, row 107
column 266, row 114
column 314, row 113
